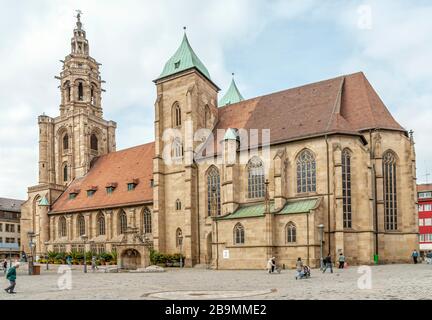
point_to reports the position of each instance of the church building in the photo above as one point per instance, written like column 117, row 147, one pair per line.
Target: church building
column 228, row 182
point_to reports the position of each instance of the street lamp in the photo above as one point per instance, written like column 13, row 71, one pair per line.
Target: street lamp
column 31, row 235
column 321, row 229
column 181, row 245
column 84, row 238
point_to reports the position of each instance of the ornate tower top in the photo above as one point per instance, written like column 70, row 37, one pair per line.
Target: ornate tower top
column 79, row 43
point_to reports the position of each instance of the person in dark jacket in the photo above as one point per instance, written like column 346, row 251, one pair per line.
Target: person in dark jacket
column 328, row 264
column 5, row 266
column 11, row 276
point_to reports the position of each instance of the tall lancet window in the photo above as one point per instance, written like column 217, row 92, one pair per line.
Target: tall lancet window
column 80, row 91
column 177, row 120
column 65, row 142
column 213, row 192
column 390, row 191
column 306, row 172
column 65, row 173
column 346, row 189
column 81, row 225
column 255, row 169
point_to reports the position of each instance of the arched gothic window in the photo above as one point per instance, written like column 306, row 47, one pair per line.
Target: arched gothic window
column 177, row 148
column 239, row 234
column 256, row 188
column 179, row 237
column 346, row 188
column 80, row 91
column 177, row 121
column 62, row 227
column 81, row 225
column 94, row 142
column 65, row 142
column 178, row 204
column 213, row 192
column 101, row 224
column 93, row 94
column 123, row 222
column 306, row 172
column 291, row 232
column 390, row 191
column 65, row 172
column 147, row 221
column 207, row 114
column 68, row 91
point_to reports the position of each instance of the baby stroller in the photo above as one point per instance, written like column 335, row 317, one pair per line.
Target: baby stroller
column 304, row 274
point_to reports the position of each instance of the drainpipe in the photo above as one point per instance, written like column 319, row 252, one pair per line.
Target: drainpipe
column 328, row 193
column 307, row 228
column 198, row 212
column 374, row 192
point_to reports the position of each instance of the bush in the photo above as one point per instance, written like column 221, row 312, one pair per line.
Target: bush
column 158, row 258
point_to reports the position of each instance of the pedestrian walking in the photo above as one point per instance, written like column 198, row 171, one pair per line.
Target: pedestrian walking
column 328, row 264
column 429, row 257
column 341, row 261
column 69, row 261
column 299, row 268
column 415, row 256
column 11, row 276
column 271, row 265
column 93, row 264
column 4, row 266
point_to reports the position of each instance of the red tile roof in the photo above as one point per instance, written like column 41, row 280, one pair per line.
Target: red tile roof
column 120, row 168
column 346, row 104
column 424, row 187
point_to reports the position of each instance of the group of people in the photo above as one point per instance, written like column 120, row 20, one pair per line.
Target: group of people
column 303, row 271
column 416, row 255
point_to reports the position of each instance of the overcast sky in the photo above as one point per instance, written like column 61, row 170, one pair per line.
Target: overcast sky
column 270, row 45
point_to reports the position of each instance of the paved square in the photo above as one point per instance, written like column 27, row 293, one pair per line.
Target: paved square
column 388, row 282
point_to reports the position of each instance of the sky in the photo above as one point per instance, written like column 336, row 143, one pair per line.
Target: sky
column 269, row 45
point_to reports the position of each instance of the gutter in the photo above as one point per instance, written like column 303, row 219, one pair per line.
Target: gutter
column 328, row 194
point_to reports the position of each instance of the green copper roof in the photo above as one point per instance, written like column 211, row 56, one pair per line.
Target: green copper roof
column 184, row 58
column 233, row 95
column 249, row 211
column 258, row 210
column 299, row 206
column 44, row 202
column 231, row 134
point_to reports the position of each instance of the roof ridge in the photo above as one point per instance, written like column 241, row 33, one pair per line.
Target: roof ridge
column 293, row 88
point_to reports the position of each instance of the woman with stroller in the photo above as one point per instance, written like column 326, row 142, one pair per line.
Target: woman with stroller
column 299, row 268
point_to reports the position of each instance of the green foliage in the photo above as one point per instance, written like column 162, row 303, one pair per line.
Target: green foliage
column 164, row 259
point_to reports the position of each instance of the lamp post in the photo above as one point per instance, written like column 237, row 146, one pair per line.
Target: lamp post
column 31, row 235
column 181, row 255
column 84, row 239
column 321, row 229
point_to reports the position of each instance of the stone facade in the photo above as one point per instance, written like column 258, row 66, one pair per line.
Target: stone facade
column 340, row 121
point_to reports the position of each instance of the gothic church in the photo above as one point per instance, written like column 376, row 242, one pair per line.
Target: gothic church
column 331, row 171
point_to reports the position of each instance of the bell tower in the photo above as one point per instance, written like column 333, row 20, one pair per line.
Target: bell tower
column 70, row 142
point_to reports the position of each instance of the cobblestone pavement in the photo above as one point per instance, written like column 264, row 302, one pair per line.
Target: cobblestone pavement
column 388, row 282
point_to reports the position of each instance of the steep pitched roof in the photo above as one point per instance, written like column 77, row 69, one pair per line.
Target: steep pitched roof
column 346, row 104
column 118, row 169
column 233, row 95
column 183, row 59
column 11, row 205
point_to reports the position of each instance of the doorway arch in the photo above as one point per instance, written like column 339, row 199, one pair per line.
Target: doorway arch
column 130, row 259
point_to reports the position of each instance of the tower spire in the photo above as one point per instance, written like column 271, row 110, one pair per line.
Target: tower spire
column 79, row 43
